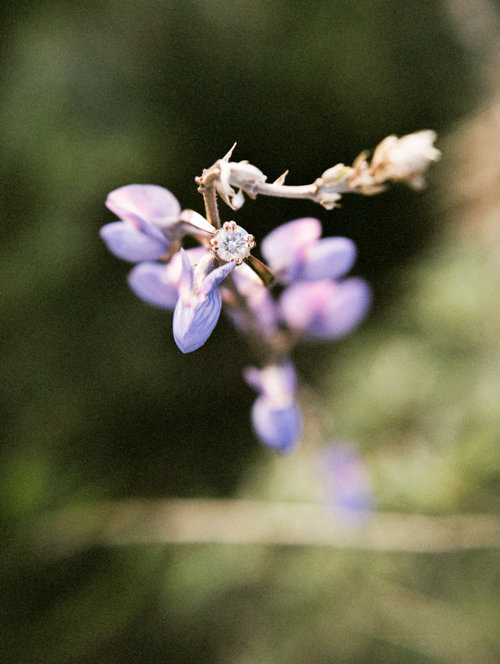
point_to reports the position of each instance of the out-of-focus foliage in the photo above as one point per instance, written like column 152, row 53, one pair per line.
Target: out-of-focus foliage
column 97, row 403
column 428, row 377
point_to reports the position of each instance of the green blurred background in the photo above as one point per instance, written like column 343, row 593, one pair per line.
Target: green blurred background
column 97, row 402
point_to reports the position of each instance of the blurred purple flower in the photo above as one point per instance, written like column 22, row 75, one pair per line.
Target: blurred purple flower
column 190, row 291
column 276, row 416
column 149, row 221
column 259, row 303
column 158, row 283
column 347, row 483
column 294, row 252
column 314, row 302
column 325, row 309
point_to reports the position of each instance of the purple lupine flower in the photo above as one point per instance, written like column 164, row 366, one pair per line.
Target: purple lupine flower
column 158, row 283
column 198, row 307
column 325, row 309
column 314, row 304
column 276, row 416
column 295, row 252
column 258, row 299
column 348, row 487
column 190, row 291
column 149, row 220
column 151, row 223
column 151, row 227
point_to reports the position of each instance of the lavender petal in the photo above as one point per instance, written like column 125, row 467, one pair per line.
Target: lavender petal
column 194, row 321
column 150, row 282
column 214, row 278
column 325, row 309
column 347, row 483
column 329, row 258
column 285, row 245
column 279, row 428
column 275, row 382
column 186, row 275
column 130, row 244
column 258, row 299
column 143, row 204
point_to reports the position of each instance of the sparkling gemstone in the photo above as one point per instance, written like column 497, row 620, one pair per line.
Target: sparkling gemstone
column 232, row 242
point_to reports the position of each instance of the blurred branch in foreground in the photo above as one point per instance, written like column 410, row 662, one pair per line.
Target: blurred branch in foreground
column 184, row 521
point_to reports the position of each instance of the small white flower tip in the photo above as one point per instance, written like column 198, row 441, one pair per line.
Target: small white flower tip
column 335, row 174
column 405, row 158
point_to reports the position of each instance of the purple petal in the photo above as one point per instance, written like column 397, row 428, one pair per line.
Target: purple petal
column 130, row 244
column 151, row 282
column 280, row 428
column 158, row 283
column 286, row 245
column 263, row 312
column 194, row 321
column 330, row 258
column 258, row 299
column 276, row 418
column 253, row 377
column 213, row 279
column 143, row 204
column 276, row 382
column 348, row 485
column 174, row 265
column 195, row 254
column 325, row 309
column 186, row 275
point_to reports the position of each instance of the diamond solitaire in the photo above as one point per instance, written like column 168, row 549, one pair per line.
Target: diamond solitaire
column 232, row 243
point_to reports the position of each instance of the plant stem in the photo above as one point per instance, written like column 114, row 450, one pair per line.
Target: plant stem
column 244, row 522
column 207, row 190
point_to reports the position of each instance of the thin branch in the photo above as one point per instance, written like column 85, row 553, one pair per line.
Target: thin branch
column 395, row 159
column 316, row 191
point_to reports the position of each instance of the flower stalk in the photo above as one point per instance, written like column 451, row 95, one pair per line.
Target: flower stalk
column 395, row 159
column 315, row 301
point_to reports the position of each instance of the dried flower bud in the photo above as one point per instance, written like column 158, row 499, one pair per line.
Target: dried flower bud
column 336, row 174
column 405, row 158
